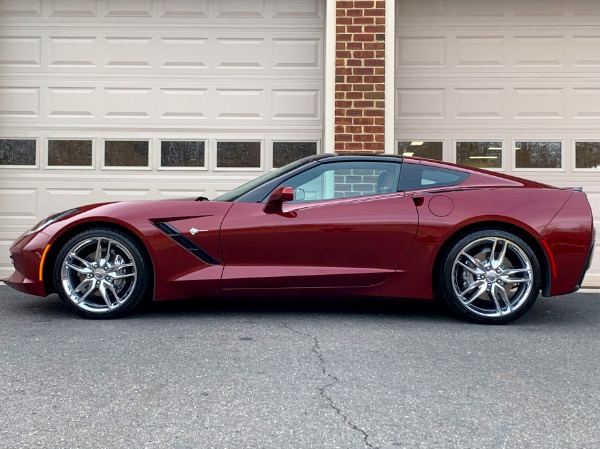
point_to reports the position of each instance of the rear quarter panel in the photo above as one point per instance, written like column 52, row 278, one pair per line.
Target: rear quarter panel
column 528, row 209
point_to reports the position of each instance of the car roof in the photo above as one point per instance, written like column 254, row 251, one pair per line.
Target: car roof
column 354, row 157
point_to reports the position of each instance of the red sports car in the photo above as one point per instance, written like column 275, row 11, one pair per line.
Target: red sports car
column 328, row 225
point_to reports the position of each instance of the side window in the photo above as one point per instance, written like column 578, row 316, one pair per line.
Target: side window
column 345, row 180
column 416, row 176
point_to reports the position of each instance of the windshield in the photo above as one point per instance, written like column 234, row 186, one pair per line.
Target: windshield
column 245, row 188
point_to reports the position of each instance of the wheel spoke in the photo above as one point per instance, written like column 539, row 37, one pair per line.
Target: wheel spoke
column 508, row 280
column 507, row 276
column 82, row 270
column 108, row 251
column 83, row 284
column 105, row 296
column 114, row 292
column 83, row 261
column 473, row 260
column 513, row 271
column 480, row 285
column 503, row 296
column 98, row 258
column 115, row 268
column 122, row 276
column 86, row 294
column 475, row 271
column 496, row 262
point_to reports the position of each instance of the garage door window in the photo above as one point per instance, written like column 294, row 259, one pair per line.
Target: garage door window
column 69, row 153
column 485, row 154
column 587, row 155
column 182, row 154
column 287, row 152
column 126, row 153
column 238, row 154
column 17, row 152
column 420, row 148
column 535, row 155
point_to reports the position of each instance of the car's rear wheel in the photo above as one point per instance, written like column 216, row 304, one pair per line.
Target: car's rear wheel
column 490, row 276
column 101, row 273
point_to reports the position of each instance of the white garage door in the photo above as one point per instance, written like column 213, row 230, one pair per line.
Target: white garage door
column 145, row 99
column 509, row 85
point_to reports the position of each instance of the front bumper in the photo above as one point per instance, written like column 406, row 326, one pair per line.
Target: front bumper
column 26, row 254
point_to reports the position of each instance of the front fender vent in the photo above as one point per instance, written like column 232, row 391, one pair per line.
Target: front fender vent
column 173, row 233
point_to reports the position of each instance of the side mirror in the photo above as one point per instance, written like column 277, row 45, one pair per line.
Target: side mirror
column 277, row 197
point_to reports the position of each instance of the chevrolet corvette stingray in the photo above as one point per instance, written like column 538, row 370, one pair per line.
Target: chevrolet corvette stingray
column 327, row 225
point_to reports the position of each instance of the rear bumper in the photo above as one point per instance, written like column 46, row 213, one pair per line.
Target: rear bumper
column 569, row 243
column 26, row 255
column 588, row 264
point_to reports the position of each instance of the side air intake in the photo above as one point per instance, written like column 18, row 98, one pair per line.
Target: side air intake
column 173, row 233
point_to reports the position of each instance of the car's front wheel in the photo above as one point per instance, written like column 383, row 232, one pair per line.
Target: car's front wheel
column 490, row 276
column 101, row 273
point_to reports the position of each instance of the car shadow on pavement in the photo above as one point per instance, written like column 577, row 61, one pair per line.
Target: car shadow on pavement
column 577, row 308
column 303, row 306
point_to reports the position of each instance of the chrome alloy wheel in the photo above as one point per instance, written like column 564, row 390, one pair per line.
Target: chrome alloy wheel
column 98, row 274
column 492, row 277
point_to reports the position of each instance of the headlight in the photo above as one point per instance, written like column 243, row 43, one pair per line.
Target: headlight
column 51, row 219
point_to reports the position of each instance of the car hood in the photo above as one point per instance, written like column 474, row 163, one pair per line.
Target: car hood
column 139, row 216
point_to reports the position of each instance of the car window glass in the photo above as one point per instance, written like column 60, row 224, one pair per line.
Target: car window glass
column 416, row 177
column 344, row 180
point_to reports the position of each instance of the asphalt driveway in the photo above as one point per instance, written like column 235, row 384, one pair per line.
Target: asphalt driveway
column 288, row 374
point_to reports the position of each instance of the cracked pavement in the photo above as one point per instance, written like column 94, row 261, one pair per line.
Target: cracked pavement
column 311, row 374
column 334, row 379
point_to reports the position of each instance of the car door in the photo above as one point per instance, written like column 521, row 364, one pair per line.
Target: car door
column 347, row 226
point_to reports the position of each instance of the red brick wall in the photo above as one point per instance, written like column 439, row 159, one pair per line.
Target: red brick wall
column 359, row 76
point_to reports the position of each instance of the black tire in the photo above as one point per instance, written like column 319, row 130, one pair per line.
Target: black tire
column 490, row 276
column 102, row 273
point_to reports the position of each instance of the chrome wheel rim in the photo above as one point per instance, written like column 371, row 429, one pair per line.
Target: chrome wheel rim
column 492, row 277
column 99, row 274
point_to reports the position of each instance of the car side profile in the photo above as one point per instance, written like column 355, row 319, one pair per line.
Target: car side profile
column 327, row 225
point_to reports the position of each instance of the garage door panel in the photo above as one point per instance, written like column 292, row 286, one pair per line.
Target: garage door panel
column 63, row 198
column 20, row 52
column 182, row 53
column 483, row 51
column 421, row 52
column 478, row 103
column 129, row 9
column 160, row 10
column 420, row 103
column 502, row 73
column 586, row 103
column 18, row 205
column 21, row 8
column 74, row 102
column 537, row 103
column 206, row 52
column 18, row 102
column 499, row 49
column 156, row 72
column 183, row 10
column 145, row 103
column 511, row 101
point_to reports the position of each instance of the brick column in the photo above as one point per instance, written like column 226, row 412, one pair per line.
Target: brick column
column 359, row 76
